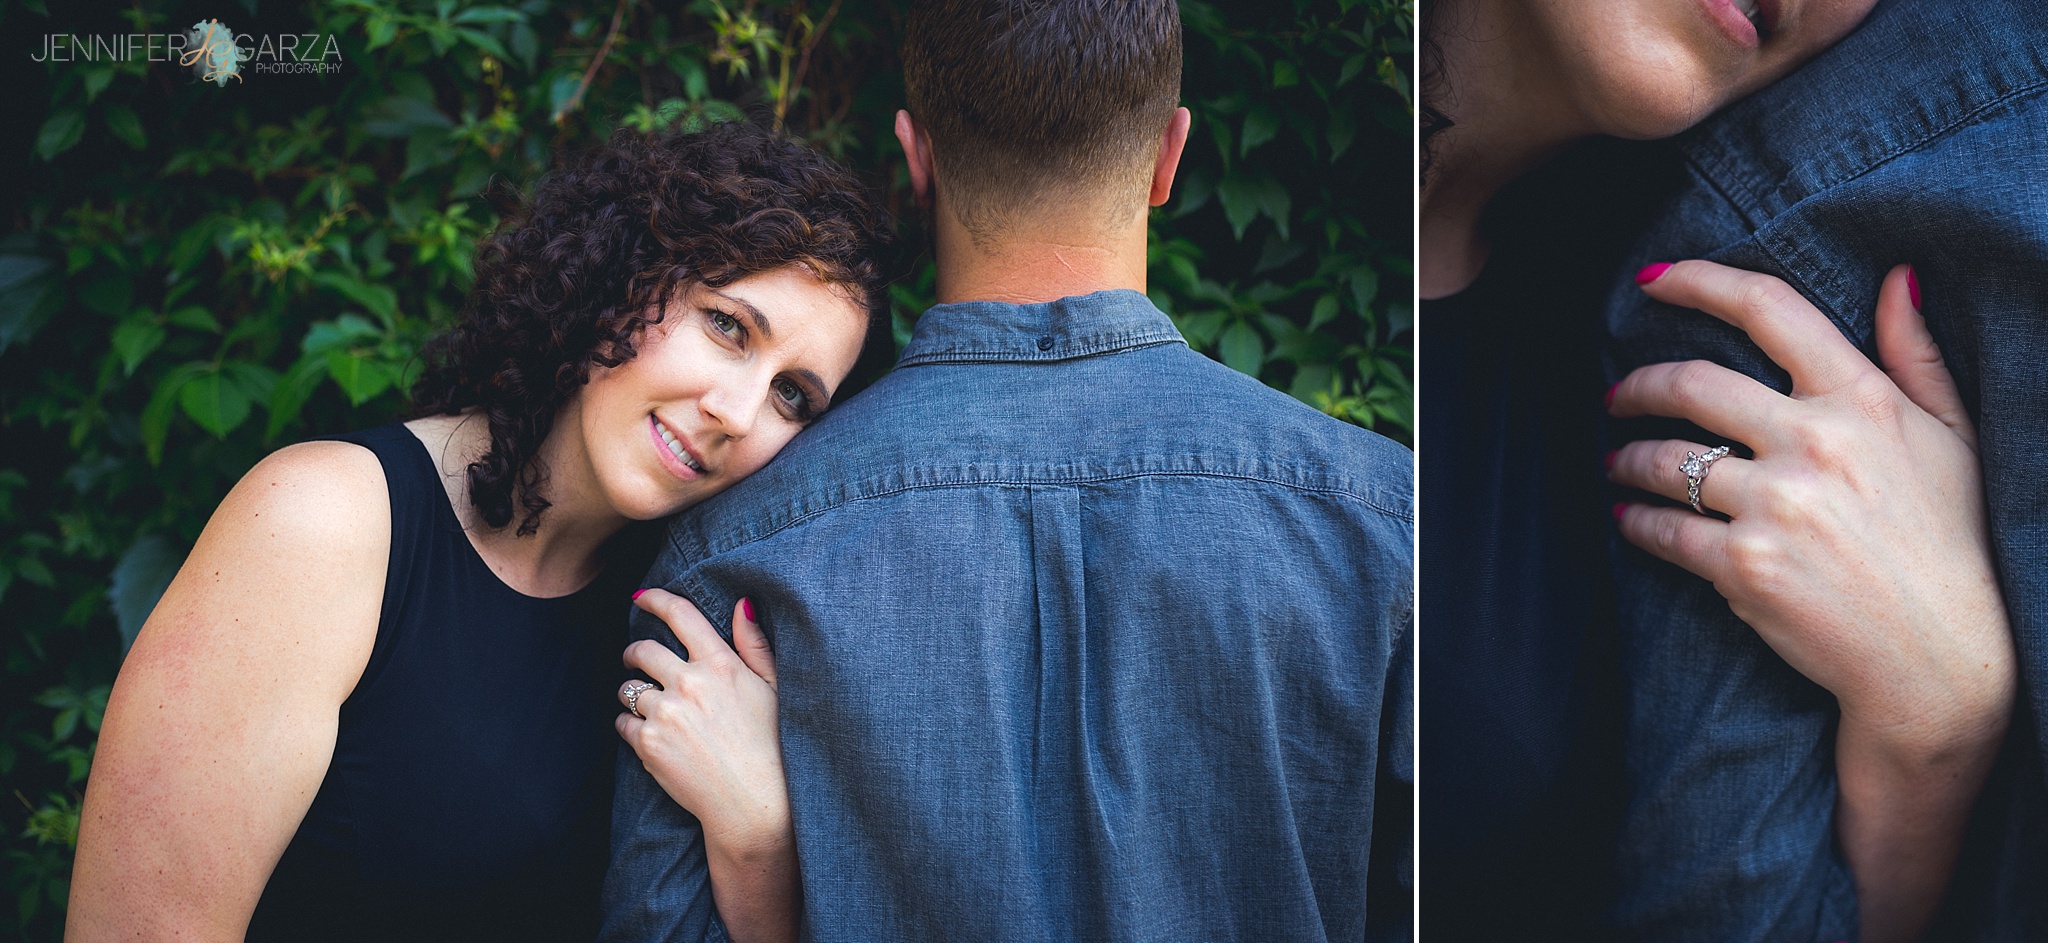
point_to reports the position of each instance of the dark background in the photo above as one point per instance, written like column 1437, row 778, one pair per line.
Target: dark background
column 196, row 274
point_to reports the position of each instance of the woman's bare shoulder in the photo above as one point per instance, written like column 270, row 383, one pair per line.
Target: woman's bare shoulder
column 297, row 549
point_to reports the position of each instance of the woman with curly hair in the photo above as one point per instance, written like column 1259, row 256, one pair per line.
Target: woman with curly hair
column 377, row 701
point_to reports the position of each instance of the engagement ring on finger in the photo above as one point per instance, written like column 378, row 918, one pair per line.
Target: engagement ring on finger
column 1694, row 468
column 632, row 695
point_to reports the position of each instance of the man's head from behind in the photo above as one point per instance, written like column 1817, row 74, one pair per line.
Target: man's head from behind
column 1035, row 105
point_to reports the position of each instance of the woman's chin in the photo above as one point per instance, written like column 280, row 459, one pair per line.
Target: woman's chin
column 1650, row 121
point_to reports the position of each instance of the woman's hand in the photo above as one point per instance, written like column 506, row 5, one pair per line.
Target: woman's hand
column 1857, row 546
column 708, row 735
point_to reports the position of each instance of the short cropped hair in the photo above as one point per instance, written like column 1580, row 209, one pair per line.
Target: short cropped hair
column 1028, row 98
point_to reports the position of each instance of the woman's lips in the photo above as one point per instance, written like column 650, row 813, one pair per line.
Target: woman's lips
column 1735, row 23
column 685, row 466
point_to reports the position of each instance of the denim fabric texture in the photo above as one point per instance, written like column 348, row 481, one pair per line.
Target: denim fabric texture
column 1080, row 635
column 1921, row 138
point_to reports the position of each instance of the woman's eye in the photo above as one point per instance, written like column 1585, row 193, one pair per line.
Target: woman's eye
column 725, row 323
column 790, row 393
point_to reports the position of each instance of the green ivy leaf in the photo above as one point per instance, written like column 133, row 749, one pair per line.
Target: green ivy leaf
column 163, row 404
column 489, row 14
column 1285, row 74
column 525, row 45
column 123, row 121
column 1259, row 127
column 379, row 300
column 1240, row 203
column 60, row 133
column 1342, row 131
column 1311, row 379
column 139, row 580
column 215, row 402
column 381, row 29
column 1324, row 312
column 1352, row 67
column 292, row 390
column 1201, row 329
column 560, row 91
column 28, row 296
column 358, row 375
column 1365, row 285
column 136, row 339
column 485, row 42
column 196, row 318
column 1275, row 202
column 343, row 331
column 1242, row 349
column 97, row 77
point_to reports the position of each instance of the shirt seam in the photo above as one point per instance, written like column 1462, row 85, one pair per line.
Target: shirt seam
column 1114, row 344
column 1716, row 158
column 711, row 550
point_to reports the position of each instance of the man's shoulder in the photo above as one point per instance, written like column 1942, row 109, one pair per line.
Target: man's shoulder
column 1162, row 407
column 1874, row 98
column 1156, row 411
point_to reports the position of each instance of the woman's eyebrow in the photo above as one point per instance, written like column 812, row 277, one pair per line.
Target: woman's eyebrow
column 817, row 383
column 753, row 314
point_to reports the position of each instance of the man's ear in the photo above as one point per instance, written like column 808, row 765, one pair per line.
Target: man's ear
column 1170, row 146
column 917, row 150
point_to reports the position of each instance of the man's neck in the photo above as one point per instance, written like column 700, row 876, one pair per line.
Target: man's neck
column 1508, row 117
column 1038, row 260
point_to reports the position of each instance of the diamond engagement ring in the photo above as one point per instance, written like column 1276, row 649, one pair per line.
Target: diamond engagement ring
column 1694, row 468
column 632, row 695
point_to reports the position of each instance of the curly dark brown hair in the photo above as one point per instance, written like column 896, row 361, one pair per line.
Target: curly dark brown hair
column 569, row 280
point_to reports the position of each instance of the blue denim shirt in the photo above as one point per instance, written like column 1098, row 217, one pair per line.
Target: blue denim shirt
column 1921, row 138
column 1080, row 636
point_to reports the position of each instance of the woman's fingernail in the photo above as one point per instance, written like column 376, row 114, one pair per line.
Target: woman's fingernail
column 1610, row 459
column 1651, row 272
column 637, row 592
column 747, row 606
column 1610, row 395
column 1620, row 511
column 1913, row 286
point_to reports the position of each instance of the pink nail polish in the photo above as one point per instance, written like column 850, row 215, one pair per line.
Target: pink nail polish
column 1620, row 511
column 637, row 592
column 747, row 606
column 1913, row 286
column 1651, row 272
column 1610, row 395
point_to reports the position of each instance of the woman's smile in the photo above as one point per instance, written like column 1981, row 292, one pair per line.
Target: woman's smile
column 1747, row 22
column 676, row 454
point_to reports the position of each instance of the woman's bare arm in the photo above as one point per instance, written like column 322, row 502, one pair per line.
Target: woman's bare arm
column 222, row 721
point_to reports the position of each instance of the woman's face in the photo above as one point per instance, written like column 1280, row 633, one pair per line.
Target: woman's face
column 726, row 379
column 1652, row 68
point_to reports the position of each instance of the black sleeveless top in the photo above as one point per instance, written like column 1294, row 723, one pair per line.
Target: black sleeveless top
column 470, row 789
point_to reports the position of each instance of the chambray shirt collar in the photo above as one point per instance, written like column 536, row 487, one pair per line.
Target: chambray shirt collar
column 1068, row 328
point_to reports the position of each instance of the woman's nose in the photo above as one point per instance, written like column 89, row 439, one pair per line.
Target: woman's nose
column 731, row 409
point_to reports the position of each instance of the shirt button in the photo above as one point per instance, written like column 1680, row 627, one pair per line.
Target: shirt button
column 1045, row 343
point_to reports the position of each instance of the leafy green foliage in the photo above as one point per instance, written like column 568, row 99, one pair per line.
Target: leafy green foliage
column 202, row 271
